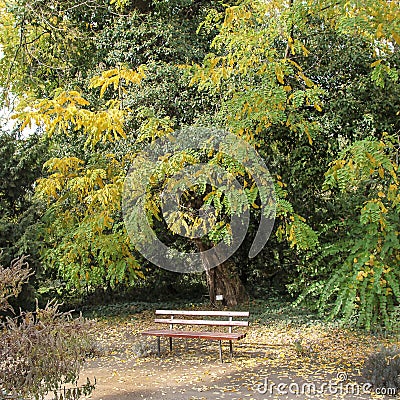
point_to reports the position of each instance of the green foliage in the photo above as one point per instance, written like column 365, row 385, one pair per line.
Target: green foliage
column 46, row 45
column 84, row 240
column 360, row 110
column 272, row 94
column 313, row 86
column 365, row 285
column 22, row 160
column 87, row 245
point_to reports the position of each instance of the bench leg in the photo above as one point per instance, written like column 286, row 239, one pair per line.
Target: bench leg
column 170, row 344
column 231, row 348
column 158, row 346
column 220, row 351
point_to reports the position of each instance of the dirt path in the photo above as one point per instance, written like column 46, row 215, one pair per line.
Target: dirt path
column 275, row 361
column 196, row 374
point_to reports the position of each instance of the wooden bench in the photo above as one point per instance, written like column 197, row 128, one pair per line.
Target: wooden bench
column 210, row 335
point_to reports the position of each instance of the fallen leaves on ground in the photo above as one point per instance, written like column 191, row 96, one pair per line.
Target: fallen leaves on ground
column 126, row 365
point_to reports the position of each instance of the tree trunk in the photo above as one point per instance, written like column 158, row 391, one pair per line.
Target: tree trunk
column 222, row 280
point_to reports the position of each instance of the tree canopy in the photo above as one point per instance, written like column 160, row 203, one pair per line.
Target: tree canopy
column 311, row 85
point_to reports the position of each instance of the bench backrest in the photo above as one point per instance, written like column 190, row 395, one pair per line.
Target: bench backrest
column 229, row 315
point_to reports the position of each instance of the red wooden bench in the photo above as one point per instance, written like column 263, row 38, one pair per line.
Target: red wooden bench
column 210, row 335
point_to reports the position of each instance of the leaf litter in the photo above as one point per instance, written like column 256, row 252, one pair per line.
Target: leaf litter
column 126, row 365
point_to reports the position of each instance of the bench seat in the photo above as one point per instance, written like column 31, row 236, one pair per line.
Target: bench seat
column 194, row 334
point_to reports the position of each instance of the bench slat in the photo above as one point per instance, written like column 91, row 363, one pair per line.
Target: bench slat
column 204, row 313
column 195, row 335
column 201, row 322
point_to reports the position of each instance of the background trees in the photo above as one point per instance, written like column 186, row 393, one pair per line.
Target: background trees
column 21, row 165
column 313, row 86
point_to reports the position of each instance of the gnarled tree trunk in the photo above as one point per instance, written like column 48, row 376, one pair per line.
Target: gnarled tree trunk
column 223, row 279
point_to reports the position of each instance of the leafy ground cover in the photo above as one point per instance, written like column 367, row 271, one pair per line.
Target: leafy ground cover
column 290, row 347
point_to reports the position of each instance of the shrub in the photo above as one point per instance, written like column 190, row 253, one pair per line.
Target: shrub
column 11, row 281
column 40, row 351
column 382, row 368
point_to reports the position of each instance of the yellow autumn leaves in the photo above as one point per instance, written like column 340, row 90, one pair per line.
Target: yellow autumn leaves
column 68, row 110
column 115, row 77
column 91, row 186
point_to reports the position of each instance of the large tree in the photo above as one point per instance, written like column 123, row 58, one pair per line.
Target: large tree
column 93, row 133
column 271, row 80
column 270, row 71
